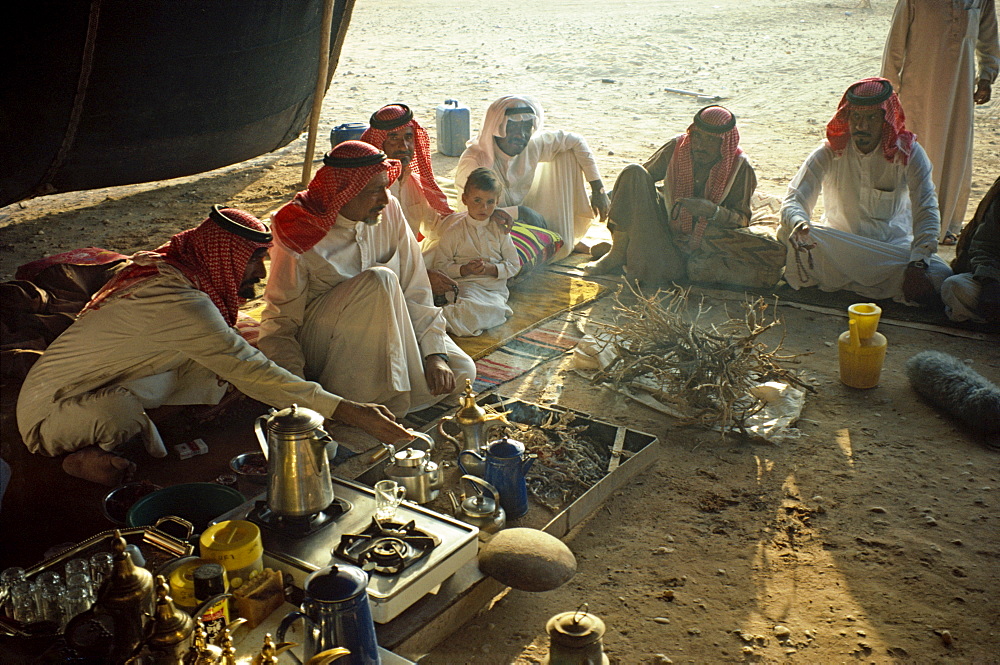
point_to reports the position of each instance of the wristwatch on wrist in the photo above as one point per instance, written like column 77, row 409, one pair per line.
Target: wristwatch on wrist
column 443, row 356
column 920, row 264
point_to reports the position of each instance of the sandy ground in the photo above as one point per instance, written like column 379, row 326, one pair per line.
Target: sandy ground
column 867, row 538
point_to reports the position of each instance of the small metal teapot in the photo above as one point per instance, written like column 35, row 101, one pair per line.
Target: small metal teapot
column 414, row 470
column 478, row 509
column 472, row 420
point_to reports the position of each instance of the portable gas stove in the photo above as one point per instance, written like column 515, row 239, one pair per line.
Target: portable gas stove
column 406, row 558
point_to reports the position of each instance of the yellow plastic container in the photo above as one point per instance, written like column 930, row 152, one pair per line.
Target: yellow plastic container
column 866, row 315
column 237, row 546
column 862, row 348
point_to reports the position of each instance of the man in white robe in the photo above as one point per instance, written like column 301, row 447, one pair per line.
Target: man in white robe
column 160, row 333
column 349, row 304
column 542, row 171
column 879, row 231
column 930, row 59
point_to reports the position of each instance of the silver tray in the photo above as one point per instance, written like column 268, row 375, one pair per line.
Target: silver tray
column 159, row 548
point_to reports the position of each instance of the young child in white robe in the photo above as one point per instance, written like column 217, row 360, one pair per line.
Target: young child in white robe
column 478, row 253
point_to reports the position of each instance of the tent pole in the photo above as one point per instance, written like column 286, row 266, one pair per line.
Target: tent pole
column 324, row 63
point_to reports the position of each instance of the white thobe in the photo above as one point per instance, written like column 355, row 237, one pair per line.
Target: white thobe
column 482, row 300
column 879, row 216
column 930, row 59
column 356, row 314
column 549, row 176
column 419, row 214
column 166, row 343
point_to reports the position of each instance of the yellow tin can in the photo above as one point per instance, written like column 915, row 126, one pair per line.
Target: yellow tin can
column 236, row 544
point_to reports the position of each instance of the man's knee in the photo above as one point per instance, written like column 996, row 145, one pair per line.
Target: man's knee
column 938, row 271
column 107, row 418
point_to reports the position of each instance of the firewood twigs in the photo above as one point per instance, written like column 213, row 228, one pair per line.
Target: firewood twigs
column 705, row 372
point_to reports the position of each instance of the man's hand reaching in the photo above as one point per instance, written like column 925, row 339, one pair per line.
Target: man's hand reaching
column 374, row 419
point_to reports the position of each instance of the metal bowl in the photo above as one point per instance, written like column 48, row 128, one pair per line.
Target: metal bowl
column 247, row 466
column 120, row 499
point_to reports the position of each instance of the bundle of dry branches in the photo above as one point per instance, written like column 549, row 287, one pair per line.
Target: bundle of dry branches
column 706, row 372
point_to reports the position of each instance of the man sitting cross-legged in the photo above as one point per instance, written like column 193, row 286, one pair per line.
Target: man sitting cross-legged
column 348, row 302
column 160, row 333
column 542, row 171
column 879, row 231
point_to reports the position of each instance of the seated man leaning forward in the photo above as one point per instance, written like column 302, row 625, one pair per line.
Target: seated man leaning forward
column 542, row 171
column 348, row 302
column 682, row 230
column 161, row 333
column 973, row 292
column 879, row 232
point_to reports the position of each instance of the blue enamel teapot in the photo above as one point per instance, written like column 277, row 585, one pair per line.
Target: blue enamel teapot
column 504, row 466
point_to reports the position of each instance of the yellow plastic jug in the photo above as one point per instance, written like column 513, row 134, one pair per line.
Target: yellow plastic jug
column 862, row 348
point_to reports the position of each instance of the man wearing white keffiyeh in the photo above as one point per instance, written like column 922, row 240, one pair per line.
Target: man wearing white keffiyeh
column 542, row 171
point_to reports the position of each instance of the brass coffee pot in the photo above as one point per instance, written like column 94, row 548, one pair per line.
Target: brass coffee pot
column 472, row 420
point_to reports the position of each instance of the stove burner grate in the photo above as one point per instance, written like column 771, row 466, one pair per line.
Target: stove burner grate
column 295, row 526
column 387, row 548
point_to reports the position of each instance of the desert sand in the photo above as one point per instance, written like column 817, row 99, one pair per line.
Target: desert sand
column 872, row 538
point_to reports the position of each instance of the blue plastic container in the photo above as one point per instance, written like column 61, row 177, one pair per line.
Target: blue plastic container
column 349, row 131
column 453, row 128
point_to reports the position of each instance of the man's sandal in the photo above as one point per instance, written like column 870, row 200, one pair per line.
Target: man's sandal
column 949, row 239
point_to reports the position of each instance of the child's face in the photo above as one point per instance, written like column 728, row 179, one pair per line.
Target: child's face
column 479, row 203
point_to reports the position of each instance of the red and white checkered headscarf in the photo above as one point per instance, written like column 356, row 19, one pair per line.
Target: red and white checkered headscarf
column 680, row 172
column 897, row 143
column 303, row 221
column 392, row 117
column 214, row 256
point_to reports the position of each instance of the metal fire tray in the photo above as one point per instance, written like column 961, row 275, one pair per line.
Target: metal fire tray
column 433, row 618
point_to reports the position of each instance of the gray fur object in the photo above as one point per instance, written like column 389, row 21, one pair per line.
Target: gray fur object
column 957, row 389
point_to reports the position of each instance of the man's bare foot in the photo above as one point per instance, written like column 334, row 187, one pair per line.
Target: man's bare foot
column 98, row 466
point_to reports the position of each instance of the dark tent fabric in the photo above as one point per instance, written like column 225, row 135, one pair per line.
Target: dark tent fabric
column 116, row 92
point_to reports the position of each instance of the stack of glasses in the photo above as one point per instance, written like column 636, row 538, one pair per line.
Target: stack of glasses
column 52, row 596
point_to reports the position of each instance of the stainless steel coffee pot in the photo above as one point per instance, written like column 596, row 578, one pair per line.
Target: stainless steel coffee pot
column 414, row 470
column 298, row 471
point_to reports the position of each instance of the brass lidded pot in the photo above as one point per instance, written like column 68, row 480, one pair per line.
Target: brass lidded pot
column 576, row 638
column 472, row 420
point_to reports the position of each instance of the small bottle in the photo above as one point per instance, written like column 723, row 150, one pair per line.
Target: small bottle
column 209, row 581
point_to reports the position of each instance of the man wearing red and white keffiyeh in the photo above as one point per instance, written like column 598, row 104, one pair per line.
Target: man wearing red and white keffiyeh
column 349, row 304
column 879, row 231
column 393, row 130
column 707, row 184
column 160, row 333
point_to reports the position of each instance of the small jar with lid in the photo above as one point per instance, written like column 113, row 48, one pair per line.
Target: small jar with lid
column 210, row 581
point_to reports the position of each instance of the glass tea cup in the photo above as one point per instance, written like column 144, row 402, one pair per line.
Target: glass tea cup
column 388, row 495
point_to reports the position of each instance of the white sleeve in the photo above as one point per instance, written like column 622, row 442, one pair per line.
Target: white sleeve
column 923, row 204
column 988, row 44
column 284, row 313
column 428, row 320
column 193, row 326
column 803, row 190
column 894, row 55
column 555, row 142
column 511, row 263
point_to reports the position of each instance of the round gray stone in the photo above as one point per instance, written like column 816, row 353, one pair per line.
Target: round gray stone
column 527, row 559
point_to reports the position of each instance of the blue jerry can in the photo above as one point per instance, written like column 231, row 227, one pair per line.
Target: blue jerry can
column 349, row 131
column 453, row 128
